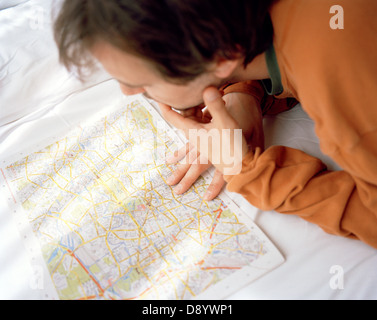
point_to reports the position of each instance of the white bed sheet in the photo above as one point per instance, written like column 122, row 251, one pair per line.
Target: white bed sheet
column 39, row 100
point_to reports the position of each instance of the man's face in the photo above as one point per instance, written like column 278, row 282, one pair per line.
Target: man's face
column 136, row 75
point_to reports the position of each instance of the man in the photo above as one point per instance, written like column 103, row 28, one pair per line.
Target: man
column 265, row 55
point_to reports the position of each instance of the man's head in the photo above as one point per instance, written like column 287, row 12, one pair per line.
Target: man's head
column 178, row 41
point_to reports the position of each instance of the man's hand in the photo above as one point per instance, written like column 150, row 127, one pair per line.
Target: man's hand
column 248, row 114
column 191, row 169
column 187, row 173
column 240, row 105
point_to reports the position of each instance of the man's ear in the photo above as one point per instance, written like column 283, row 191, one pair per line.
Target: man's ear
column 224, row 67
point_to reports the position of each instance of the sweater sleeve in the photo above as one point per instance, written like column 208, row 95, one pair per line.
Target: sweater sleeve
column 291, row 182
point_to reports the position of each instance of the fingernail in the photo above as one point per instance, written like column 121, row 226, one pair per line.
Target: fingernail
column 169, row 159
column 172, row 157
column 207, row 196
column 170, row 179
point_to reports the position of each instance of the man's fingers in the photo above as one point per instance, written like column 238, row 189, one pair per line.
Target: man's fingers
column 179, row 154
column 176, row 119
column 215, row 104
column 185, row 176
column 215, row 187
column 178, row 174
column 193, row 173
column 191, row 158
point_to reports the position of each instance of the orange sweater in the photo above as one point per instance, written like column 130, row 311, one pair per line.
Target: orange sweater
column 333, row 73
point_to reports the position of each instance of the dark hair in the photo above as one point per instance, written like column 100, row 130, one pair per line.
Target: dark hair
column 180, row 37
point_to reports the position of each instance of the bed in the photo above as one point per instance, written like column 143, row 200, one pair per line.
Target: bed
column 40, row 100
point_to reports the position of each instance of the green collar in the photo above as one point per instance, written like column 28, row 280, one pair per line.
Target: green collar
column 273, row 85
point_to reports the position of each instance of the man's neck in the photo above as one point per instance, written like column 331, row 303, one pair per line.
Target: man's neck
column 255, row 70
